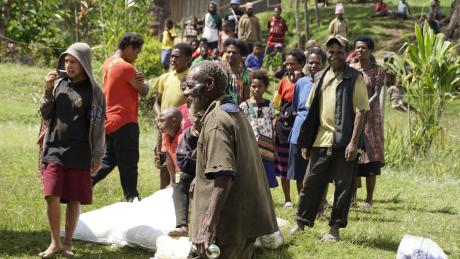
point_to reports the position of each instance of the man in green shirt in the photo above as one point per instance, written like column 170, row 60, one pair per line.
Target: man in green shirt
column 232, row 203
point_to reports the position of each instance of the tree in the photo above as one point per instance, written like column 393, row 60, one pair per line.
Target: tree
column 317, row 13
column 452, row 30
column 5, row 9
column 160, row 11
column 428, row 69
column 307, row 23
column 297, row 24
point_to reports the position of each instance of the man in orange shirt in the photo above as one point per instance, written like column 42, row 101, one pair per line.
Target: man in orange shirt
column 122, row 86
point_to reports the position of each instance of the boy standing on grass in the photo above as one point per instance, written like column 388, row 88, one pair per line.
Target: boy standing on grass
column 122, row 86
column 74, row 144
column 340, row 24
column 186, row 162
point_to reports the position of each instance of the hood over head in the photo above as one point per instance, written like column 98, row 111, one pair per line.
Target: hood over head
column 82, row 52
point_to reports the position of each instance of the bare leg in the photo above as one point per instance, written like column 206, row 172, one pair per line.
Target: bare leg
column 54, row 218
column 72, row 215
column 370, row 186
column 354, row 202
column 286, row 185
column 299, row 185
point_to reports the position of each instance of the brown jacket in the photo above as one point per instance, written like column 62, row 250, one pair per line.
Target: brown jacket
column 249, row 29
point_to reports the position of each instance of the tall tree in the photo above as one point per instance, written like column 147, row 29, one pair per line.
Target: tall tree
column 306, row 20
column 297, row 24
column 317, row 13
column 160, row 10
column 5, row 9
column 452, row 30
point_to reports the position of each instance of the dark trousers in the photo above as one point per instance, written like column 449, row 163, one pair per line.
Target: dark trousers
column 323, row 168
column 122, row 151
column 181, row 198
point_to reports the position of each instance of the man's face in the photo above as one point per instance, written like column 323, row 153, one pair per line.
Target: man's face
column 249, row 11
column 179, row 61
column 277, row 12
column 336, row 55
column 73, row 67
column 212, row 8
column 235, row 7
column 340, row 16
column 197, row 91
column 233, row 55
column 314, row 63
column 131, row 54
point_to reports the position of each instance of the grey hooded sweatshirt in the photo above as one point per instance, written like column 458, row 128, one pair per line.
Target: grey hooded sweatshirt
column 82, row 52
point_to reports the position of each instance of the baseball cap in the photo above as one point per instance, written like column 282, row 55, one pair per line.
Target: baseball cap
column 237, row 2
column 340, row 39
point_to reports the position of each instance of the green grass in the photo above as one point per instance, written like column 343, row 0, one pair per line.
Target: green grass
column 418, row 198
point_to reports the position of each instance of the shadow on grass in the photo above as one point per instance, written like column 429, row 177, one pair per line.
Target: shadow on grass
column 18, row 243
column 378, row 243
column 281, row 252
column 443, row 210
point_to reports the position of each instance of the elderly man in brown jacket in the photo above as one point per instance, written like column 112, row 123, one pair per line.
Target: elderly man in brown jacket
column 249, row 29
column 232, row 204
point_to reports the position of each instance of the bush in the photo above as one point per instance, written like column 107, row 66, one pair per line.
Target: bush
column 149, row 59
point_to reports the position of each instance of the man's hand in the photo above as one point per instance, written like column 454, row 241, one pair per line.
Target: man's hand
column 191, row 190
column 305, row 153
column 351, row 152
column 95, row 167
column 49, row 80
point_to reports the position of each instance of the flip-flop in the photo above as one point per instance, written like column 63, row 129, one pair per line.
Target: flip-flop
column 329, row 238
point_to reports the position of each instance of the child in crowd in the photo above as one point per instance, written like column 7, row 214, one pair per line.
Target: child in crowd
column 204, row 54
column 169, row 123
column 197, row 52
column 255, row 60
column 225, row 33
column 216, row 54
column 167, row 42
column 261, row 114
column 186, row 161
column 195, row 45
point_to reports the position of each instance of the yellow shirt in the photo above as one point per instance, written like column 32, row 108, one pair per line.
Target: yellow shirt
column 325, row 137
column 168, row 87
column 168, row 42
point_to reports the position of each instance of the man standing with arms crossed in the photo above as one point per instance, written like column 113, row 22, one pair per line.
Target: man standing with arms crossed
column 329, row 138
column 122, row 87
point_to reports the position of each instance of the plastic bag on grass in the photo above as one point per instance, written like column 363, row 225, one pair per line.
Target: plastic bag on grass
column 414, row 247
column 172, row 248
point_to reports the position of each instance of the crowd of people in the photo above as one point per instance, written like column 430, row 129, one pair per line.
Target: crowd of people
column 221, row 144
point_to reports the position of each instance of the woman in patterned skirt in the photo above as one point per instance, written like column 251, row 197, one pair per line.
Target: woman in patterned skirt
column 372, row 159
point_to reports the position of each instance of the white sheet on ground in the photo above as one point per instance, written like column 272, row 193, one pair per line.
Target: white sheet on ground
column 146, row 224
column 134, row 224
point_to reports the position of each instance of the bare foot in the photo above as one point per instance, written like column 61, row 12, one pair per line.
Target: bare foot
column 368, row 205
column 67, row 250
column 50, row 251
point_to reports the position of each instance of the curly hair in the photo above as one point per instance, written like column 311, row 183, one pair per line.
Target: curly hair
column 298, row 55
column 239, row 44
column 319, row 52
column 366, row 39
column 259, row 74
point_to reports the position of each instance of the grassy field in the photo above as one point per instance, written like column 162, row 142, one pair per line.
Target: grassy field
column 418, row 198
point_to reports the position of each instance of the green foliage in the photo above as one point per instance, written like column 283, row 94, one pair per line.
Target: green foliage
column 272, row 63
column 149, row 59
column 428, row 68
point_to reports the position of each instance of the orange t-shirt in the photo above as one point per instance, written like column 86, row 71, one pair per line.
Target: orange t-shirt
column 169, row 145
column 122, row 100
column 285, row 92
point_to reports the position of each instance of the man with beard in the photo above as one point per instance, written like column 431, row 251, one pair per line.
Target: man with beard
column 238, row 75
column 170, row 95
column 229, row 170
column 329, row 138
column 212, row 25
column 234, row 16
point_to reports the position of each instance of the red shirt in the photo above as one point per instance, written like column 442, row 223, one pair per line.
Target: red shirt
column 169, row 145
column 186, row 122
column 121, row 98
column 277, row 29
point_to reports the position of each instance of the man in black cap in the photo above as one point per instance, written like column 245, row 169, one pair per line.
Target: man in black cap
column 330, row 136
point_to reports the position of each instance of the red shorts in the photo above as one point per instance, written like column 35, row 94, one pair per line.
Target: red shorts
column 67, row 183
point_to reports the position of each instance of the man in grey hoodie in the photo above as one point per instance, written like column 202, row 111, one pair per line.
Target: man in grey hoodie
column 74, row 143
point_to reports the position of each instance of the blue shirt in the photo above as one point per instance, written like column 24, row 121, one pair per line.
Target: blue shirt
column 254, row 62
column 302, row 90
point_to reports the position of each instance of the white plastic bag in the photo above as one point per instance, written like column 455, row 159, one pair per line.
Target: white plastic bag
column 414, row 247
column 172, row 248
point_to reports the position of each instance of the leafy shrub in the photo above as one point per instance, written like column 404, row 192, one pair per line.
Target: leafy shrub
column 149, row 59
